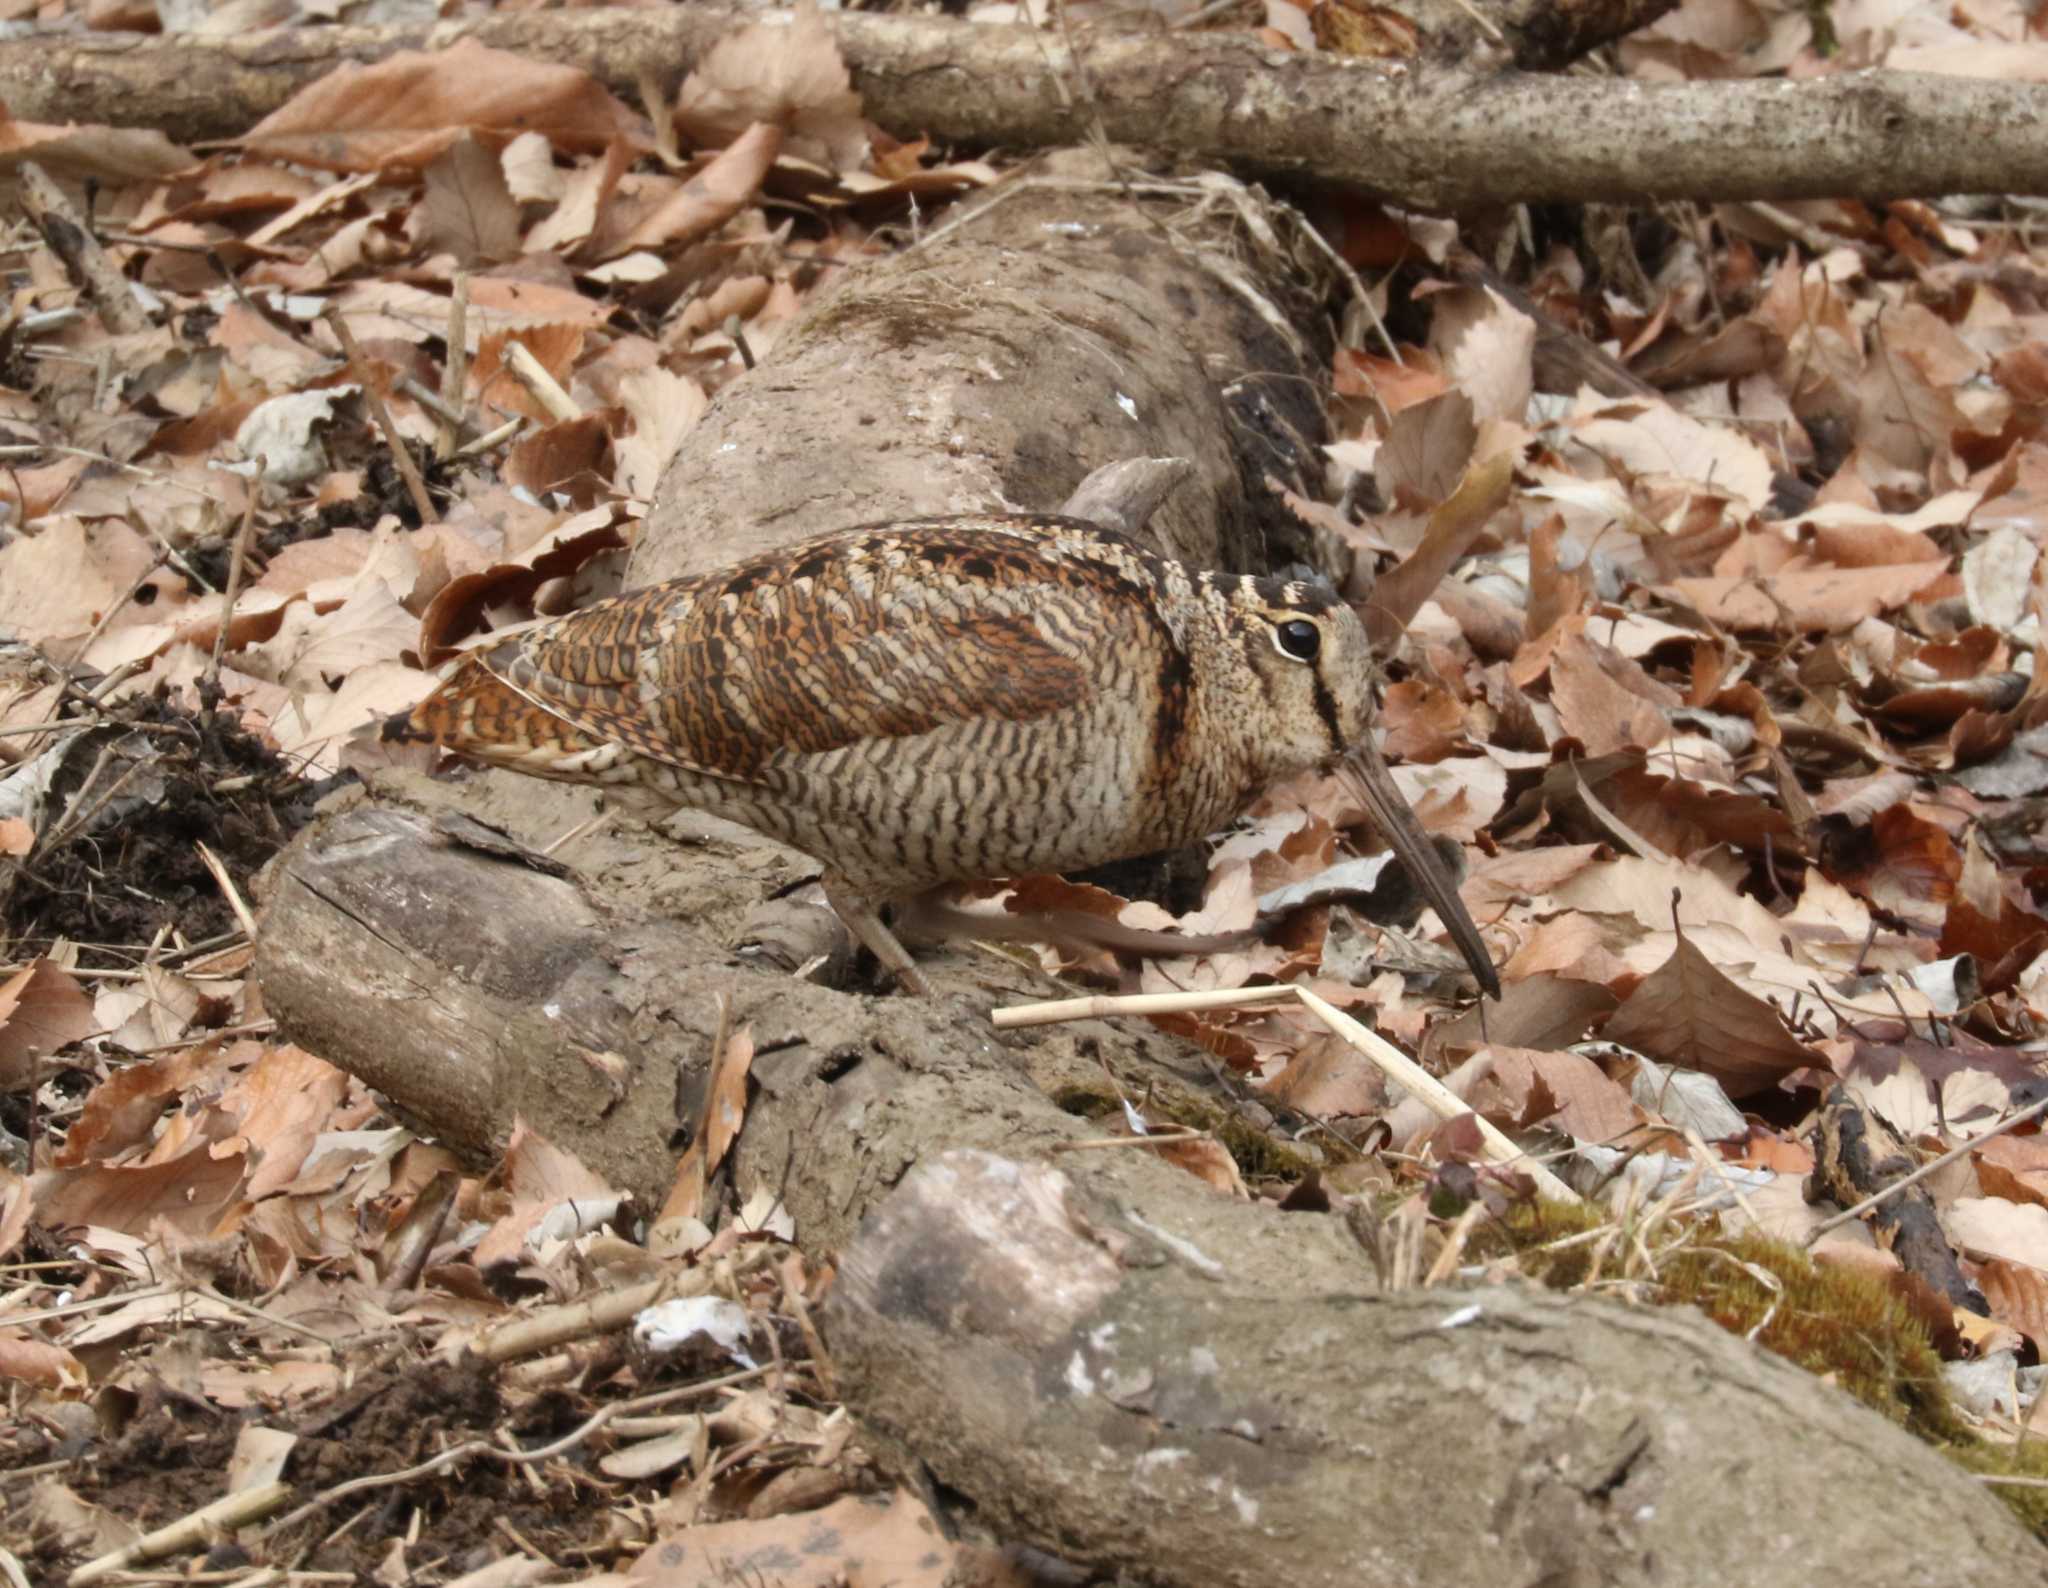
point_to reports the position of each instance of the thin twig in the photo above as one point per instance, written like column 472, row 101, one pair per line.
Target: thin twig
column 1438, row 1098
column 233, row 894
column 542, row 387
column 71, row 1309
column 196, row 1528
column 1388, row 1059
column 72, row 241
column 117, row 608
column 430, row 400
column 454, row 368
column 144, row 524
column 491, row 440
column 401, row 455
column 209, row 685
column 1062, row 1009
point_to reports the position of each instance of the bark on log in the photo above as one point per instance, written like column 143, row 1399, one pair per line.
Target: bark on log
column 1055, row 1349
column 1137, row 1371
column 1058, row 323
column 474, row 985
column 1430, row 138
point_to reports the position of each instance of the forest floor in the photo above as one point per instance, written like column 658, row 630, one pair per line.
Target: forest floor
column 1735, row 711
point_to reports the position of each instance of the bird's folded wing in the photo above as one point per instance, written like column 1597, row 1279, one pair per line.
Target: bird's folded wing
column 722, row 693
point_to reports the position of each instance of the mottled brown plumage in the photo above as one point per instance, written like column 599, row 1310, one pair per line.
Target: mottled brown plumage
column 942, row 700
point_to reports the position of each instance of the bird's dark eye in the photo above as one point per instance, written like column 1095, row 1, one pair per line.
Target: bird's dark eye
column 1298, row 638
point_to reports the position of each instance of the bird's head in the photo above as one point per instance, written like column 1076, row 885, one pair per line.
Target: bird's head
column 1313, row 665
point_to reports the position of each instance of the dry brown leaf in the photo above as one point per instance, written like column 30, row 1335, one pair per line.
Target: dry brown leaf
column 1398, row 595
column 1991, row 918
column 1497, row 881
column 498, row 306
column 663, row 408
column 80, row 154
column 1546, row 1012
column 120, row 1115
column 786, row 72
column 1568, row 1091
column 261, row 1386
column 16, row 1205
column 1903, row 1099
column 404, row 111
column 1788, row 599
column 458, row 607
column 1207, row 1160
column 568, row 456
column 552, row 1197
column 1426, row 451
column 1903, row 863
column 1455, row 797
column 1650, row 439
column 586, row 196
column 42, row 1009
column 1392, row 386
column 709, row 199
column 469, row 212
column 725, row 1108
column 1689, row 1013
column 2014, row 1167
column 54, row 584
column 1597, row 708
column 1327, row 1078
column 37, row 1362
column 313, row 652
column 318, row 729
column 1570, row 944
column 1684, row 818
column 1992, row 1227
column 193, row 1195
column 281, row 1103
column 1487, row 347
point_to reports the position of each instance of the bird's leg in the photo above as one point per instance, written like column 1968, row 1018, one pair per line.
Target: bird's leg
column 867, row 928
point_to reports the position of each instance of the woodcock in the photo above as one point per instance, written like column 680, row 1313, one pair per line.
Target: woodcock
column 944, row 700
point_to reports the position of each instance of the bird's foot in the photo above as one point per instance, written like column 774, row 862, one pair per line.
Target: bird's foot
column 872, row 933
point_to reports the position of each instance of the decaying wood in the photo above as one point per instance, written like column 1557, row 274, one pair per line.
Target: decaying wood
column 1058, row 324
column 1115, row 1362
column 1856, row 1153
column 1438, row 138
column 475, row 983
column 72, row 241
column 1055, row 1348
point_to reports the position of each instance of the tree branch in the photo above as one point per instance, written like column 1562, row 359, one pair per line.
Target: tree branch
column 1440, row 139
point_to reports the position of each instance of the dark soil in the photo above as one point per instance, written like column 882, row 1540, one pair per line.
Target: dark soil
column 171, row 1456
column 134, row 868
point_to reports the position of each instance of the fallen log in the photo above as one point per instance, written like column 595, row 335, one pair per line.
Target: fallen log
column 1112, row 1360
column 1428, row 137
column 1075, row 316
column 1218, row 1396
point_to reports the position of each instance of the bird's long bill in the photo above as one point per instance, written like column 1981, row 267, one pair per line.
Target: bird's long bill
column 1414, row 850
